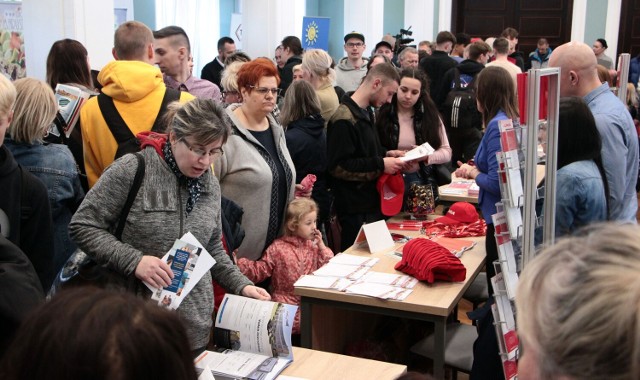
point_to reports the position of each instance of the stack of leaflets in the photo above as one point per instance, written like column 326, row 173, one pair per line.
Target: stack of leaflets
column 506, row 254
column 253, row 338
column 189, row 261
column 70, row 99
column 352, row 274
column 505, row 326
column 458, row 187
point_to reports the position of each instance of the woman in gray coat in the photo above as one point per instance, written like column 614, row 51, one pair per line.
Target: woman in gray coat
column 178, row 194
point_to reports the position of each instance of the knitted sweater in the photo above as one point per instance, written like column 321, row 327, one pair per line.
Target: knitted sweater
column 157, row 218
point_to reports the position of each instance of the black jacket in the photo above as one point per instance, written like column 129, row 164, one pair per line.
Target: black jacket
column 436, row 65
column 25, row 216
column 307, row 144
column 286, row 76
column 212, row 72
column 355, row 159
column 468, row 67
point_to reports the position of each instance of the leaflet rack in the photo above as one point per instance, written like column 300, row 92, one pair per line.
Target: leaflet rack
column 515, row 221
column 623, row 76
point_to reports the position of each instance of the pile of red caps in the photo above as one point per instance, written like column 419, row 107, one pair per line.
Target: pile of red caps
column 429, row 261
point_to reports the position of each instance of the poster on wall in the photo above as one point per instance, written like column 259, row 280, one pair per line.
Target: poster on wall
column 315, row 33
column 12, row 62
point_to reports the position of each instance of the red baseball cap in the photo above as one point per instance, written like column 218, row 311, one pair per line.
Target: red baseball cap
column 391, row 189
column 460, row 212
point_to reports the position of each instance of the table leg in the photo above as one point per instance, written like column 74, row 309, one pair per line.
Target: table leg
column 438, row 356
column 305, row 323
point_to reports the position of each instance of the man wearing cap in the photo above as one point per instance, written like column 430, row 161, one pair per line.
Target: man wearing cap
column 352, row 68
column 384, row 48
column 355, row 156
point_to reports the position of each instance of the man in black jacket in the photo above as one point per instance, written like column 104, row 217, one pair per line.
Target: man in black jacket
column 212, row 71
column 355, row 156
column 436, row 64
column 291, row 54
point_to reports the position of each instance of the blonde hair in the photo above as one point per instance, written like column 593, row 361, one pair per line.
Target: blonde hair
column 297, row 67
column 296, row 210
column 229, row 80
column 7, row 96
column 318, row 63
column 35, row 110
column 578, row 305
column 632, row 95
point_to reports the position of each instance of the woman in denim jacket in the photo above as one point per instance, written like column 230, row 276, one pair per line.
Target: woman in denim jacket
column 35, row 109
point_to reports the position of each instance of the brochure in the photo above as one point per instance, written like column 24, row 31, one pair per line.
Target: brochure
column 189, row 261
column 421, row 151
column 254, row 337
column 70, row 99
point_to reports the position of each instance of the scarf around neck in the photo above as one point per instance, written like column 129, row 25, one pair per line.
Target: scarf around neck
column 194, row 186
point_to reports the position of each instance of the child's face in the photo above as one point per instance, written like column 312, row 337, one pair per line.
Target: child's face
column 307, row 226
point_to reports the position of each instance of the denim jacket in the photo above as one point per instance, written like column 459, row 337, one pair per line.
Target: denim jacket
column 54, row 165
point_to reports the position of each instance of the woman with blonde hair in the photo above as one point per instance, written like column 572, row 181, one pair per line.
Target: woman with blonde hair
column 229, row 82
column 316, row 69
column 578, row 306
column 34, row 111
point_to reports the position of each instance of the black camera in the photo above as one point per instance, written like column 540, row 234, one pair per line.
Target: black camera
column 401, row 41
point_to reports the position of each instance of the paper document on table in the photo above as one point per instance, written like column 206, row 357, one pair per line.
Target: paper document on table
column 189, row 262
column 379, row 291
column 350, row 272
column 322, row 282
column 421, row 151
column 397, row 280
column 347, row 259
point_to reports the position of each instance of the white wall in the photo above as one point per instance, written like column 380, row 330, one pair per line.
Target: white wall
column 46, row 21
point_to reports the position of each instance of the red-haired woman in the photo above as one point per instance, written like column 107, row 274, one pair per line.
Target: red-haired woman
column 256, row 170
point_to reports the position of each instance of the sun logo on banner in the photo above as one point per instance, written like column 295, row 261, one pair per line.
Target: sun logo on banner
column 311, row 36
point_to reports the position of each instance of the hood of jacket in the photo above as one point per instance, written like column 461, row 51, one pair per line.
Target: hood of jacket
column 344, row 64
column 312, row 124
column 7, row 163
column 129, row 81
column 536, row 55
column 470, row 67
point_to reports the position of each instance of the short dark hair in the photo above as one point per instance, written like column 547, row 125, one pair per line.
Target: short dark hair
column 501, row 45
column 67, row 63
column 173, row 31
column 603, row 42
column 385, row 70
column 463, row 39
column 445, row 36
column 478, row 48
column 371, row 59
column 509, row 33
column 543, row 41
column 131, row 39
column 225, row 40
column 293, row 43
column 237, row 56
column 91, row 333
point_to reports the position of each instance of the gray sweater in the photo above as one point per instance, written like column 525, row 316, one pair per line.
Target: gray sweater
column 157, row 218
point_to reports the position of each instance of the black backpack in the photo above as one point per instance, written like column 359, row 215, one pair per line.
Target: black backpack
column 127, row 141
column 459, row 108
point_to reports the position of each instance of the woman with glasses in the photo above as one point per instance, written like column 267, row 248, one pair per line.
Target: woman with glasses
column 256, row 171
column 229, row 81
column 178, row 194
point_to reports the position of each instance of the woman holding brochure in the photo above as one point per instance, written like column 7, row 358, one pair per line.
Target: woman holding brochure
column 496, row 101
column 412, row 119
column 178, row 194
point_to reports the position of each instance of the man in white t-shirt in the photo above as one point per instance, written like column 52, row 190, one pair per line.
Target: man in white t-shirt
column 501, row 50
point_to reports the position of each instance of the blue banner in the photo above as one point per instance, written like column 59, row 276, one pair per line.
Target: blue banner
column 315, row 33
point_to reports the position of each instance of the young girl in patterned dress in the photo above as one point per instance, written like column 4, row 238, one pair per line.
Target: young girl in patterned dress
column 300, row 251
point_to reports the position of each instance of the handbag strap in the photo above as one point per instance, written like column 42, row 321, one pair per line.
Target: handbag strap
column 133, row 192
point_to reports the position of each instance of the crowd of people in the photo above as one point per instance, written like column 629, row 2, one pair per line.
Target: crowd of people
column 255, row 157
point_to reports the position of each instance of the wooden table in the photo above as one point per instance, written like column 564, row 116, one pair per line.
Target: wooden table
column 311, row 364
column 465, row 197
column 325, row 324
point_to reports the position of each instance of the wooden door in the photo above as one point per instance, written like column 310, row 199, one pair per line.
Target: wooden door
column 629, row 34
column 533, row 19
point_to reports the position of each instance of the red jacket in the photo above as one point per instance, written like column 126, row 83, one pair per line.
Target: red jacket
column 285, row 261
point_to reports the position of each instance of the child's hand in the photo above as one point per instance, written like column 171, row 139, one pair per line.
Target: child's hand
column 234, row 254
column 317, row 238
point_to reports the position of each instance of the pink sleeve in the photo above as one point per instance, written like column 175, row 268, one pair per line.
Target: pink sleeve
column 442, row 154
column 260, row 270
column 324, row 256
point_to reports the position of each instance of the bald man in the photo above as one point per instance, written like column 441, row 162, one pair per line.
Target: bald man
column 579, row 77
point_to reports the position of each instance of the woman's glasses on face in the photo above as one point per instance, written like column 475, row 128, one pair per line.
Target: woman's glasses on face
column 264, row 91
column 213, row 153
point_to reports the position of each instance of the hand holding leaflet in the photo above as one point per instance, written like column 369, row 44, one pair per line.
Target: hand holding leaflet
column 418, row 152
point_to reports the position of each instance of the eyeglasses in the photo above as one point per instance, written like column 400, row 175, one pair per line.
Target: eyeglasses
column 354, row 44
column 264, row 91
column 203, row 153
column 226, row 93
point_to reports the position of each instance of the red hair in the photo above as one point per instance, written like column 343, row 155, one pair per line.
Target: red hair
column 251, row 72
